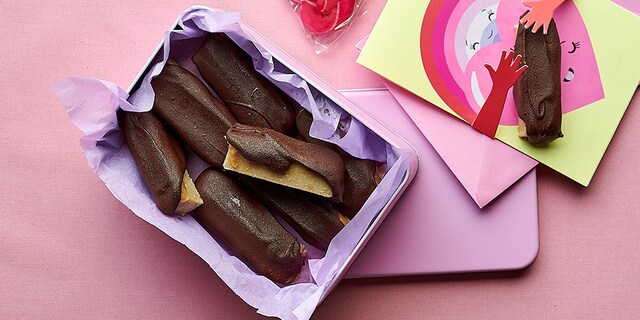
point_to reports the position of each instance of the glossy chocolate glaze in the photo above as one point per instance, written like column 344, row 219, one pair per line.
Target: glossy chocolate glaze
column 247, row 227
column 277, row 151
column 359, row 179
column 158, row 156
column 198, row 118
column 312, row 217
column 230, row 73
column 537, row 92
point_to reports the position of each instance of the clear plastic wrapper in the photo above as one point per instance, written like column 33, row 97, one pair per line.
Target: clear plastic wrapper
column 325, row 21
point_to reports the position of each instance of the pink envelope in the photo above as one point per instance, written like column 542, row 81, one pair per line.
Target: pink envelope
column 631, row 5
column 484, row 166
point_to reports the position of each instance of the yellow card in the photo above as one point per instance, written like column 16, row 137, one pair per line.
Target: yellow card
column 437, row 49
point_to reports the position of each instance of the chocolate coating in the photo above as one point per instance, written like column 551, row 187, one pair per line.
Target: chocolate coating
column 359, row 179
column 158, row 156
column 537, row 91
column 312, row 217
column 230, row 73
column 198, row 118
column 247, row 227
column 277, row 151
column 359, row 183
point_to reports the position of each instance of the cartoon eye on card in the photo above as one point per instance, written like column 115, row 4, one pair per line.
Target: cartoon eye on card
column 483, row 31
column 459, row 37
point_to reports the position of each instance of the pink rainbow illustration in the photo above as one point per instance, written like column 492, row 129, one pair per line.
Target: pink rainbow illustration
column 459, row 37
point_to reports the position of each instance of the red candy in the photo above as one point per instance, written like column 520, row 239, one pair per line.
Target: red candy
column 323, row 16
column 325, row 6
column 346, row 9
column 316, row 21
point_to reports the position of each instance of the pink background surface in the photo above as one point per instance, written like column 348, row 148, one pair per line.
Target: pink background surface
column 68, row 248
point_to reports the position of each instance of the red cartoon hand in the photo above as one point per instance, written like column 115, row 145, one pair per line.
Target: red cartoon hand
column 540, row 14
column 507, row 72
column 504, row 77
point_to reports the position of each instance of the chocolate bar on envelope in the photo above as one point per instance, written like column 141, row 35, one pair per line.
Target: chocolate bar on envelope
column 92, row 105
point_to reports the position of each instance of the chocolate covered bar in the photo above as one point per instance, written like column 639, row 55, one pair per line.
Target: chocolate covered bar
column 269, row 155
column 247, row 228
column 161, row 162
column 537, row 91
column 252, row 98
column 359, row 183
column 198, row 118
column 312, row 217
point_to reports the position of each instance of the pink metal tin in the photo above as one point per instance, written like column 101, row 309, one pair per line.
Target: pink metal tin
column 367, row 120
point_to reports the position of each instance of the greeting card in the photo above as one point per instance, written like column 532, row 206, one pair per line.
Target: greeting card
column 454, row 54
